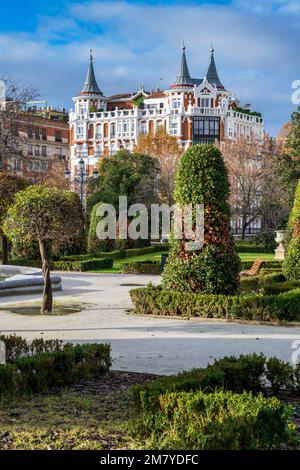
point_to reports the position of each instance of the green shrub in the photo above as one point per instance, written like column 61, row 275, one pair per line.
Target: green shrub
column 17, row 346
column 154, row 300
column 142, row 267
column 280, row 374
column 37, row 373
column 121, row 254
column 95, row 245
column 202, row 178
column 256, row 283
column 215, row 421
column 291, row 264
column 274, row 264
column 245, row 373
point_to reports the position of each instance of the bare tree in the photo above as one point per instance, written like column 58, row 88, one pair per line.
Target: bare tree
column 13, row 99
column 255, row 190
column 167, row 151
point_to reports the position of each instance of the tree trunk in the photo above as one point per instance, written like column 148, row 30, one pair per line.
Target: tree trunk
column 4, row 249
column 47, row 292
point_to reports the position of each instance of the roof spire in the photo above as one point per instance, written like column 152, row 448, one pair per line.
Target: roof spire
column 183, row 78
column 212, row 74
column 91, row 85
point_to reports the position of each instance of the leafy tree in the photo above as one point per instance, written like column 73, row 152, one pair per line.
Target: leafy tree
column 165, row 148
column 9, row 185
column 202, row 178
column 48, row 216
column 291, row 265
column 125, row 174
column 288, row 161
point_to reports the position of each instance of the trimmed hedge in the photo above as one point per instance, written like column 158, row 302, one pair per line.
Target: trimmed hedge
column 79, row 266
column 214, row 407
column 155, row 301
column 255, row 283
column 121, row 254
column 38, row 373
column 273, row 264
column 142, row 267
column 215, row 421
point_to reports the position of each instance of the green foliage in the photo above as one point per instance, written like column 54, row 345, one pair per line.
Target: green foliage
column 95, row 245
column 270, row 265
column 17, row 346
column 124, row 174
column 202, row 178
column 9, row 186
column 156, row 301
column 142, row 267
column 215, row 421
column 280, row 374
column 121, row 254
column 65, row 265
column 291, row 265
column 41, row 213
column 38, row 373
column 237, row 374
column 288, row 165
column 256, row 283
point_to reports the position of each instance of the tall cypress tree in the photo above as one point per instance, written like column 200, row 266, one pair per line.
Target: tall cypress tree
column 202, row 178
column 291, row 265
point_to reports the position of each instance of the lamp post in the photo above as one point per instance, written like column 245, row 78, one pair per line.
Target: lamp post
column 81, row 178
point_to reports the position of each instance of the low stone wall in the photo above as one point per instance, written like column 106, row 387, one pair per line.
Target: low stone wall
column 24, row 280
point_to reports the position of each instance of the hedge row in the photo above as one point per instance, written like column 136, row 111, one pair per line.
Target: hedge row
column 142, row 267
column 154, row 300
column 215, row 421
column 214, row 407
column 255, row 283
column 38, row 373
column 121, row 254
column 250, row 373
column 79, row 266
column 272, row 264
column 245, row 248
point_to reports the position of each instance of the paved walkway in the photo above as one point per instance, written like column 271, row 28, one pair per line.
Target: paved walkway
column 144, row 344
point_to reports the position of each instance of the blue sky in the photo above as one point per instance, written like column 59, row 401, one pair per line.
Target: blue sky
column 138, row 43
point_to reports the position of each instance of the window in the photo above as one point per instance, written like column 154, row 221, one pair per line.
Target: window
column 161, row 105
column 173, row 128
column 36, row 150
column 125, row 126
column 30, row 165
column 44, row 134
column 44, row 151
column 176, row 103
column 205, row 103
column 206, row 129
column 44, row 166
column 58, row 136
column 19, row 164
column 30, row 149
column 99, row 131
column 113, row 130
column 58, row 151
column 37, row 166
column 37, row 133
column 30, row 133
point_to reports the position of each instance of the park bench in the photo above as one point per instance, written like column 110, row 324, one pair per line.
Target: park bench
column 254, row 269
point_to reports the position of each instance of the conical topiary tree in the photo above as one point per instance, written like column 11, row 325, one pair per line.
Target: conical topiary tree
column 202, row 178
column 291, row 264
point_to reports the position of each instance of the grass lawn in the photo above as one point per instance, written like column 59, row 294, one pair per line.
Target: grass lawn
column 157, row 257
column 92, row 415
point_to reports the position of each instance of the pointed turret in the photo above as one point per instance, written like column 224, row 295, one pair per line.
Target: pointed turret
column 91, row 85
column 212, row 74
column 183, row 78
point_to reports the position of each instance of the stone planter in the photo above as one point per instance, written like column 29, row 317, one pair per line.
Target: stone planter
column 280, row 239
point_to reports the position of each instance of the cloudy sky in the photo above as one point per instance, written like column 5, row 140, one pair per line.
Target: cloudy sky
column 138, row 43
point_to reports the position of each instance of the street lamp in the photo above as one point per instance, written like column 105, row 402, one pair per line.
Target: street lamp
column 81, row 178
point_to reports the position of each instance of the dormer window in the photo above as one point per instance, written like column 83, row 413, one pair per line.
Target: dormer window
column 176, row 103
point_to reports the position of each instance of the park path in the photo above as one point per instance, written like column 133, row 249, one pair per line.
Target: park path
column 144, row 344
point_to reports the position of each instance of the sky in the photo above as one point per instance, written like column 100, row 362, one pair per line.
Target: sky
column 46, row 43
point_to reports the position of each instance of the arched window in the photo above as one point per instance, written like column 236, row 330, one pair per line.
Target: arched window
column 99, row 131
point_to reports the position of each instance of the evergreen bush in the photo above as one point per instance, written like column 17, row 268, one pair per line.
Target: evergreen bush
column 202, row 178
